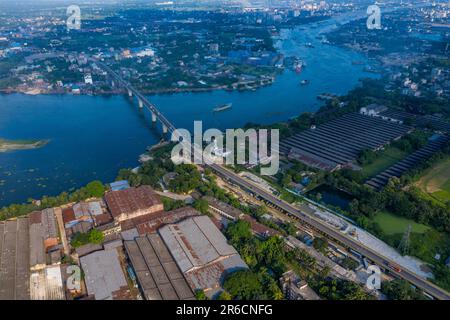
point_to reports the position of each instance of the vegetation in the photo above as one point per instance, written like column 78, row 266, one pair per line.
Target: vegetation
column 94, row 236
column 435, row 182
column 349, row 263
column 391, row 224
column 338, row 289
column 202, row 206
column 399, row 289
column 320, row 244
column 170, row 204
column 244, row 285
column 93, row 189
column 375, row 162
column 200, row 295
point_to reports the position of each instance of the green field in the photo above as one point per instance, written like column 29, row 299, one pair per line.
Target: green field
column 436, row 181
column 392, row 224
column 389, row 157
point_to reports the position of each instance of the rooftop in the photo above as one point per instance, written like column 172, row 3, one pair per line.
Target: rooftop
column 152, row 222
column 201, row 252
column 104, row 277
column 132, row 200
column 156, row 270
column 14, row 260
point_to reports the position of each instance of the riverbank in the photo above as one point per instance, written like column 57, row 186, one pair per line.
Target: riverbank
column 10, row 145
column 240, row 86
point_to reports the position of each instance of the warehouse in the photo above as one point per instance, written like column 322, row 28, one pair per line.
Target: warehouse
column 133, row 202
column 157, row 273
column 150, row 223
column 338, row 143
column 104, row 277
column 14, row 260
column 202, row 253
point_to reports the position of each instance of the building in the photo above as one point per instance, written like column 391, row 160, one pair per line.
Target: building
column 43, row 237
column 83, row 216
column 296, row 289
column 202, row 253
column 133, row 202
column 223, row 209
column 15, row 259
column 104, row 276
column 47, row 284
column 156, row 272
column 372, row 110
column 88, row 79
column 150, row 223
column 119, row 185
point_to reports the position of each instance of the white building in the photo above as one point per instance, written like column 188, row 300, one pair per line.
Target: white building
column 88, row 79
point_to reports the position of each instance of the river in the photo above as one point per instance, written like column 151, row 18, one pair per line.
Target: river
column 92, row 137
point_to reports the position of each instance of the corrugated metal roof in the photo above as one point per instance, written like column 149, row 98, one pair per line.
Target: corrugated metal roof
column 156, row 271
column 201, row 251
column 103, row 274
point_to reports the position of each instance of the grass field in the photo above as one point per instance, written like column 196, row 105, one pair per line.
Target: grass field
column 389, row 157
column 436, row 181
column 392, row 224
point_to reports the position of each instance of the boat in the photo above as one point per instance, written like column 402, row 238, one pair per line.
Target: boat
column 223, row 107
column 309, row 45
column 298, row 65
column 304, row 82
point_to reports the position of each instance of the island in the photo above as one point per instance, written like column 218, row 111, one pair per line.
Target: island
column 13, row 145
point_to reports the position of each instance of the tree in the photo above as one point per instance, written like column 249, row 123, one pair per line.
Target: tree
column 320, row 244
column 200, row 295
column 95, row 236
column 95, row 189
column 201, row 205
column 224, row 296
column 243, row 285
column 238, row 231
column 400, row 289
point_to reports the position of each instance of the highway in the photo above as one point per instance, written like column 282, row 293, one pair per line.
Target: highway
column 323, row 227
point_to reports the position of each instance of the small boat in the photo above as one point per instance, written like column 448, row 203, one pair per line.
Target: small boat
column 298, row 66
column 304, row 82
column 223, row 107
column 309, row 45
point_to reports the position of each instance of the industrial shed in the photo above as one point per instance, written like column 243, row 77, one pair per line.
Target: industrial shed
column 202, row 253
column 14, row 260
column 157, row 273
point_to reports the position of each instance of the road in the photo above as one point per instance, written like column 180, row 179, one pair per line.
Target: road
column 377, row 258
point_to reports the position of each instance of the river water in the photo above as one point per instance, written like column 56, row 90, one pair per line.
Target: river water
column 92, row 137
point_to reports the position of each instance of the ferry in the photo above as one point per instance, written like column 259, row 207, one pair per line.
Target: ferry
column 223, row 107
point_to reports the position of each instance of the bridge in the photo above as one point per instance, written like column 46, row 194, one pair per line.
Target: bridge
column 287, row 208
column 142, row 100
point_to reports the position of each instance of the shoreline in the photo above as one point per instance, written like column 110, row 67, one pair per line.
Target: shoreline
column 168, row 91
